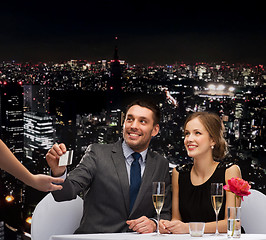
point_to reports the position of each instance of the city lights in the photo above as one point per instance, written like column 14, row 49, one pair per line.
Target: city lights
column 220, row 87
column 74, row 102
column 28, row 220
column 9, row 198
column 212, row 87
column 231, row 89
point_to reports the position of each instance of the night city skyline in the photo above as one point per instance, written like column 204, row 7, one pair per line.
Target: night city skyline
column 62, row 80
column 80, row 102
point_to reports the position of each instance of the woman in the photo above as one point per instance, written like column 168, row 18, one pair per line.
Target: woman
column 191, row 200
column 10, row 164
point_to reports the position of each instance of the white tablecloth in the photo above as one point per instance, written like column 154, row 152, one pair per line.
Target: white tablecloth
column 152, row 236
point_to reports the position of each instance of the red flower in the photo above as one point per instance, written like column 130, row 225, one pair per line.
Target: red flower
column 238, row 186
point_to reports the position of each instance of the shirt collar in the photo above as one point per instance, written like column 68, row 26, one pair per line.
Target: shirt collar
column 128, row 151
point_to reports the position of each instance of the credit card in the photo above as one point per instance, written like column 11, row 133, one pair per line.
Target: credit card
column 66, row 159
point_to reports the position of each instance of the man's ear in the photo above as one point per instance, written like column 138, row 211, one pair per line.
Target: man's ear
column 155, row 130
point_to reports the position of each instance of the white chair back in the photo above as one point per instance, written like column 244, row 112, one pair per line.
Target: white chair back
column 253, row 213
column 55, row 218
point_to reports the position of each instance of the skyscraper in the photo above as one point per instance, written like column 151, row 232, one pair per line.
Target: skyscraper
column 11, row 118
column 39, row 133
column 114, row 87
column 36, row 98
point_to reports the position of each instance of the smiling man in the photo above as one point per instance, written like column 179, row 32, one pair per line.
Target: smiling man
column 141, row 124
column 117, row 185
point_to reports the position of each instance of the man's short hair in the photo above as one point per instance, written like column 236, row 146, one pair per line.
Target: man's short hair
column 150, row 105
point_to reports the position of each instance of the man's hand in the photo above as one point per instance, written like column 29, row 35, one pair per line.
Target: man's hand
column 52, row 158
column 142, row 225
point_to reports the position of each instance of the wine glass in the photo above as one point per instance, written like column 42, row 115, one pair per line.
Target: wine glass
column 217, row 194
column 158, row 194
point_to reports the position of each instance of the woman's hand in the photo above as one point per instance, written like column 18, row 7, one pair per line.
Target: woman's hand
column 175, row 226
column 45, row 183
column 162, row 227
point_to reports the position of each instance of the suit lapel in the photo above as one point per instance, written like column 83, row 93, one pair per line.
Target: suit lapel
column 146, row 181
column 119, row 163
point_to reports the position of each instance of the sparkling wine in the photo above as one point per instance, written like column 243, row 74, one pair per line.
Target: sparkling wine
column 217, row 201
column 158, row 201
column 158, row 194
column 217, row 193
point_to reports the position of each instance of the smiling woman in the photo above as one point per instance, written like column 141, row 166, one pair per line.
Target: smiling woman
column 197, row 139
column 191, row 200
column 212, row 127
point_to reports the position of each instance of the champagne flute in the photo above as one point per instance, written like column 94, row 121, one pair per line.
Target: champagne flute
column 158, row 194
column 217, row 194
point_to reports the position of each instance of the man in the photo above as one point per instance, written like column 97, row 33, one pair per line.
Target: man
column 106, row 176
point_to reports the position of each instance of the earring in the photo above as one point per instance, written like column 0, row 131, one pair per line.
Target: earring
column 212, row 147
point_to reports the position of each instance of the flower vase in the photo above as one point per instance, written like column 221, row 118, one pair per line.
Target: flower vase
column 234, row 222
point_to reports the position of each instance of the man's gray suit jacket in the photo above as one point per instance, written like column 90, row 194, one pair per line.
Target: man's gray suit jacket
column 102, row 176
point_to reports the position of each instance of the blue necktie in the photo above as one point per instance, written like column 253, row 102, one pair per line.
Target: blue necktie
column 135, row 179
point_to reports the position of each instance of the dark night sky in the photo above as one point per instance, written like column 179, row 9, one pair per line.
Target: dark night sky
column 148, row 32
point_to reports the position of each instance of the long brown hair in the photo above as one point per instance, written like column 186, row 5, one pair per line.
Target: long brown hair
column 215, row 128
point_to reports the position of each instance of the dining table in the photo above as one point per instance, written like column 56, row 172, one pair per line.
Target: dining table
column 151, row 236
